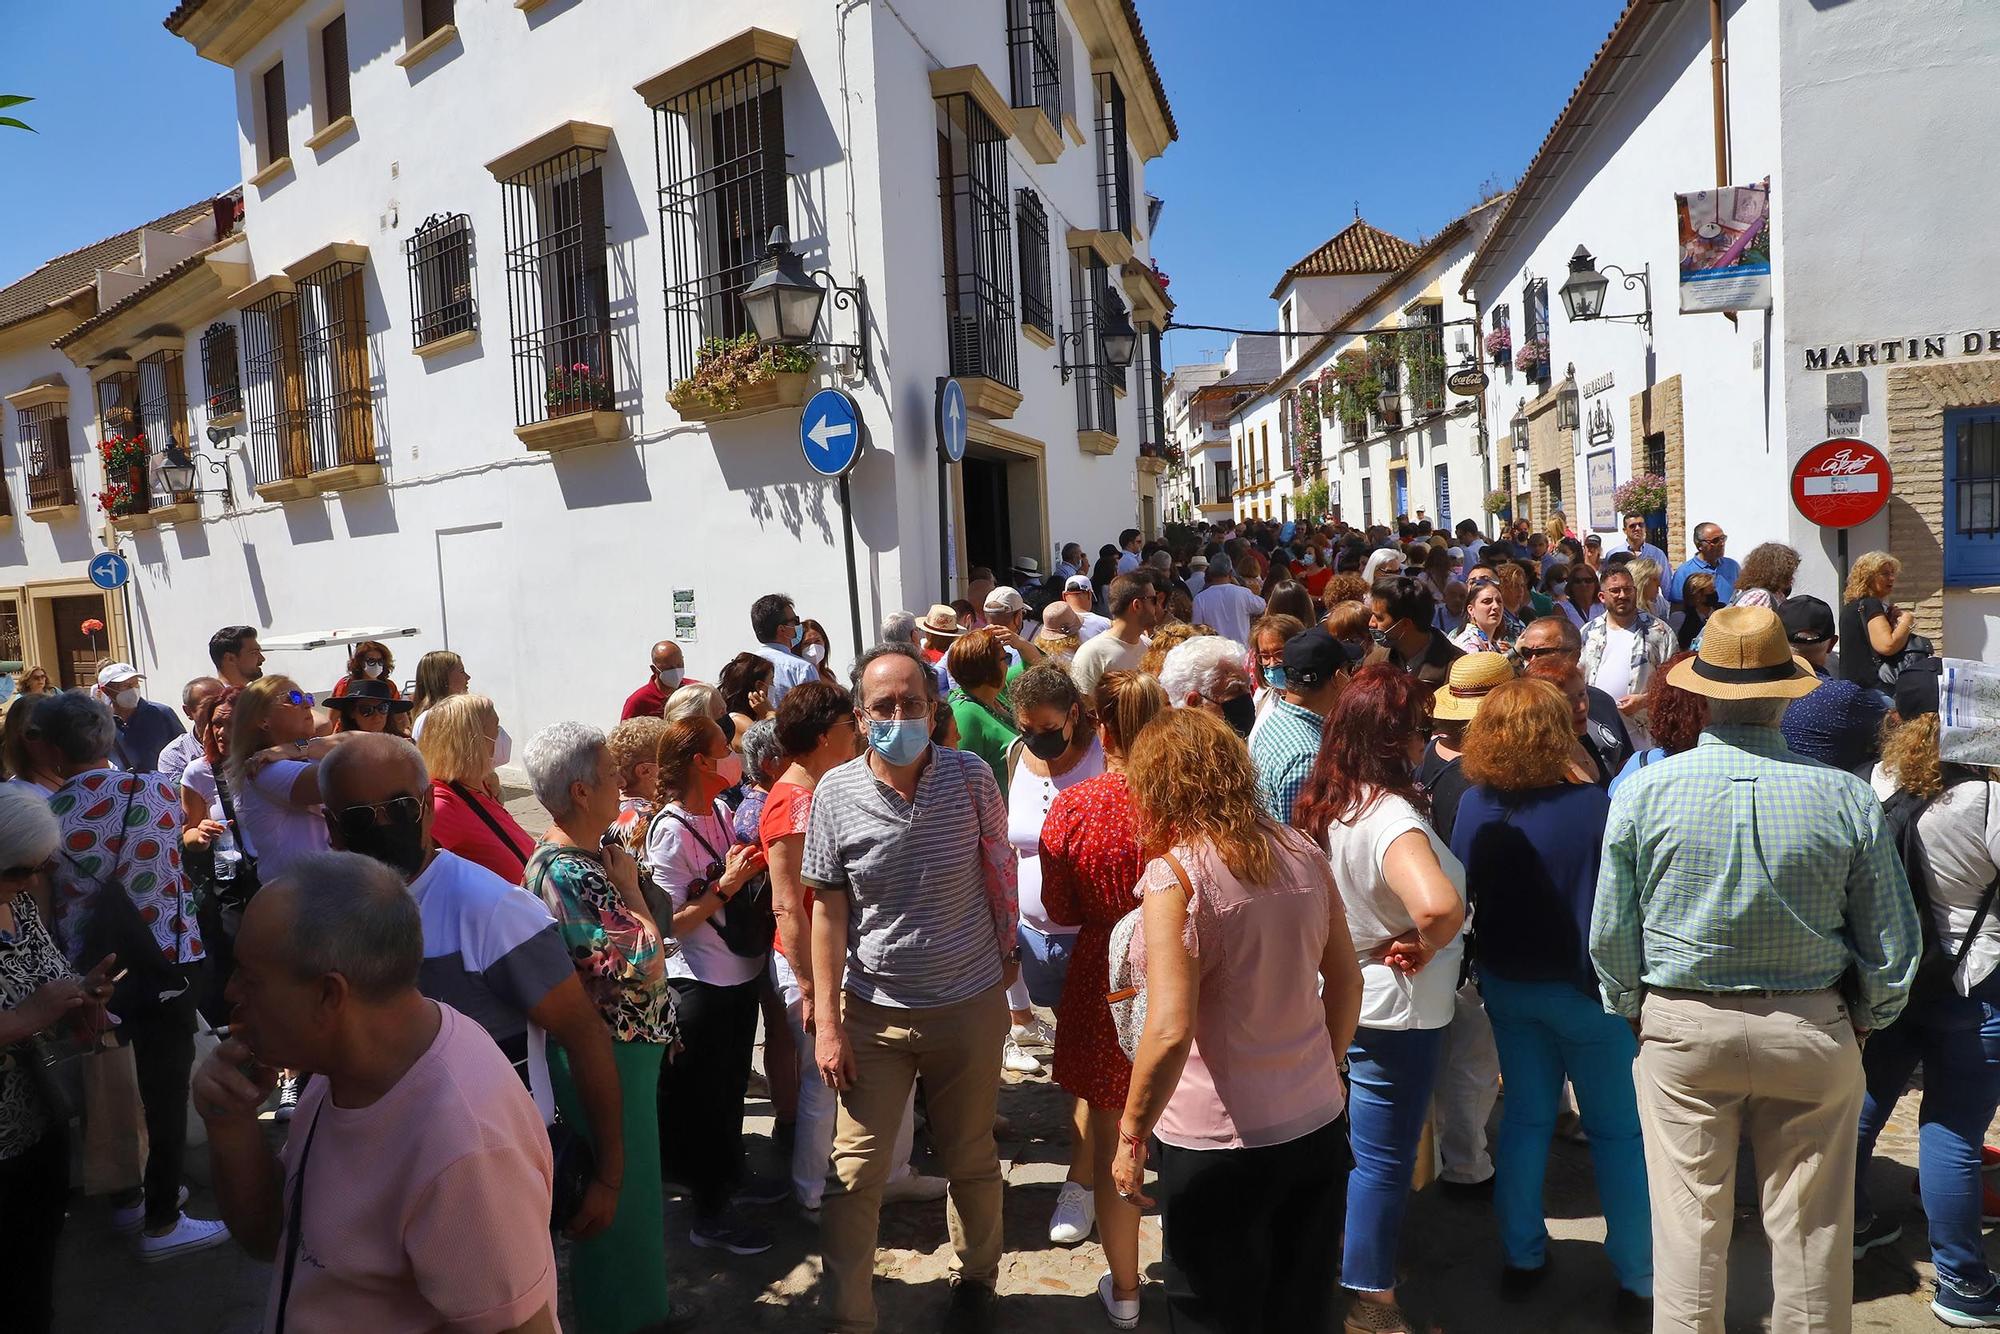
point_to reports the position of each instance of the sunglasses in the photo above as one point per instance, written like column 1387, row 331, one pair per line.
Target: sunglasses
column 17, row 873
column 367, row 710
column 299, row 697
column 354, row 822
column 1530, row 654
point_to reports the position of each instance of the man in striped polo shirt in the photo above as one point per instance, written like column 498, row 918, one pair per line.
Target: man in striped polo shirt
column 906, row 939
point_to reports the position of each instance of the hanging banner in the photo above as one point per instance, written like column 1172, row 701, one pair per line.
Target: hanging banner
column 1725, row 248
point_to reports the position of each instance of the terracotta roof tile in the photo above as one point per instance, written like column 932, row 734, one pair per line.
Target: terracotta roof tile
column 64, row 274
column 1152, row 70
column 1356, row 248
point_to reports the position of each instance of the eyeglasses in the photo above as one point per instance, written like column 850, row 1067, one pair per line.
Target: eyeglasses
column 1530, row 654
column 18, row 873
column 1718, row 539
column 1636, row 524
column 354, row 822
column 893, row 710
column 299, row 697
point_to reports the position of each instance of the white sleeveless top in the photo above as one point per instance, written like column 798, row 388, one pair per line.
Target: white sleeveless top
column 1029, row 796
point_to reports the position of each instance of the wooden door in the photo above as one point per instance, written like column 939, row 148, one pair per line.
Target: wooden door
column 78, row 655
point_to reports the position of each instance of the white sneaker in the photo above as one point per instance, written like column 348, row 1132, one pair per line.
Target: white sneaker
column 131, row 1217
column 915, row 1186
column 1123, row 1315
column 1035, row 1033
column 188, row 1235
column 1075, row 1216
column 1020, row 1062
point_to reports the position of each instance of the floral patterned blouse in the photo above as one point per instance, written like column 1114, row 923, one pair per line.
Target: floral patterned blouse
column 635, row 816
column 119, row 827
column 616, row 954
column 28, row 958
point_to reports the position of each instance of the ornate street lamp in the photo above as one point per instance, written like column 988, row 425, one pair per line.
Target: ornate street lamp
column 1583, row 291
column 177, row 469
column 784, row 302
column 1115, row 335
column 1520, row 425
column 1567, row 408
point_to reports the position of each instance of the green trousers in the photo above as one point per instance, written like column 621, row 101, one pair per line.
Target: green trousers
column 618, row 1279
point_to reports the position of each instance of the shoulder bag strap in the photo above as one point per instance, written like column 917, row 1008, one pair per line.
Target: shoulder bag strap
column 293, row 1217
column 1985, row 900
column 229, row 814
column 486, row 817
column 689, row 825
column 1180, row 874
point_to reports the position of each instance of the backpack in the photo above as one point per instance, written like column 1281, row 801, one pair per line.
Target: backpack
column 749, row 923
column 1935, row 966
column 1127, row 996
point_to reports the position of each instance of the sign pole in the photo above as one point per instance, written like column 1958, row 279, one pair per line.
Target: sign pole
column 951, row 433
column 853, row 583
column 944, row 528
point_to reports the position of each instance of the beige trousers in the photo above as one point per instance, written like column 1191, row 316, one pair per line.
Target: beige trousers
column 1785, row 1070
column 956, row 1048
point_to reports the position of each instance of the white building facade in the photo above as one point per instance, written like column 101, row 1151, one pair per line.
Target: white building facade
column 496, row 382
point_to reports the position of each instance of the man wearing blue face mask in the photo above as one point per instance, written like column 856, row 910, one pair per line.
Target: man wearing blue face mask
column 775, row 622
column 912, row 951
column 1283, row 749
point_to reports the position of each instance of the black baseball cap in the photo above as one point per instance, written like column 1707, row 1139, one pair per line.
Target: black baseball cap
column 1807, row 620
column 1312, row 656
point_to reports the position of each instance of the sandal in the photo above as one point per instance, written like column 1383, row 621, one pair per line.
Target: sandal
column 1366, row 1317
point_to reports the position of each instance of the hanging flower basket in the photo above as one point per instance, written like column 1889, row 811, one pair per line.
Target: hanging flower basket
column 121, row 452
column 727, row 367
column 1644, row 493
column 1533, row 358
column 1500, row 346
column 119, row 499
column 1498, row 502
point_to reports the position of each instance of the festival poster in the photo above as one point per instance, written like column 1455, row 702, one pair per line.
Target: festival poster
column 1601, row 469
column 1725, row 248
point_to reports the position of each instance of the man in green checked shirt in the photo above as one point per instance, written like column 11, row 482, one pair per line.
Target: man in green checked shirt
column 1754, row 925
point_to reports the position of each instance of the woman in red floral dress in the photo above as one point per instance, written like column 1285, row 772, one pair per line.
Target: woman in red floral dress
column 1091, row 864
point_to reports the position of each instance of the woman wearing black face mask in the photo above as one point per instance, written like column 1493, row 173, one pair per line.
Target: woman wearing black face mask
column 1057, row 750
column 1210, row 672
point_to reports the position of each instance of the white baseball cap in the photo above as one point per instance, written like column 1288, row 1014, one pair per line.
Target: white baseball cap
column 1078, row 583
column 111, row 673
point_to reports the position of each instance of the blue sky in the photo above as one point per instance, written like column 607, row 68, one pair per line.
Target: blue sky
column 1291, row 112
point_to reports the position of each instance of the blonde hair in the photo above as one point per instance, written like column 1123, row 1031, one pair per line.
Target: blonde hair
column 433, row 682
column 247, row 722
column 695, row 701
column 1910, row 753
column 1165, row 639
column 1124, row 703
column 634, row 742
column 1521, row 738
column 1641, row 570
column 1870, row 567
column 1192, row 782
column 1555, row 529
column 457, row 741
column 1058, row 646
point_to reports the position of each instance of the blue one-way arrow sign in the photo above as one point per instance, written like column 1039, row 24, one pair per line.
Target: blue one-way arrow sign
column 830, row 432
column 951, row 420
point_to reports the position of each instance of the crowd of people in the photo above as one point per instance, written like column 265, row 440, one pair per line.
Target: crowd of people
column 1308, row 838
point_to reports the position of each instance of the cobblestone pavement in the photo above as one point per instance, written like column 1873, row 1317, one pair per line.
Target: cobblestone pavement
column 1451, row 1254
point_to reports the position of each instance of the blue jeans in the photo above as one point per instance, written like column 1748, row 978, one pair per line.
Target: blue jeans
column 1391, row 1072
column 1546, row 1032
column 1958, row 1040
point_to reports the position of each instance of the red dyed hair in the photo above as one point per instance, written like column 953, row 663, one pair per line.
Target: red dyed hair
column 1364, row 753
column 1674, row 716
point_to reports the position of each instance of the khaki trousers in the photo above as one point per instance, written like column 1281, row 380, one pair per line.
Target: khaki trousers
column 956, row 1048
column 1786, row 1070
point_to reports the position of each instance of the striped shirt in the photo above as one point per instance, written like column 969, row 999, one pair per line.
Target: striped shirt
column 1283, row 749
column 1739, row 866
column 919, row 930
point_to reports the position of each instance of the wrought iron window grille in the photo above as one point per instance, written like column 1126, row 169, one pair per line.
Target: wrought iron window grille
column 558, row 287
column 1037, row 273
column 44, row 436
column 978, row 250
column 440, row 264
column 218, row 370
column 1114, row 158
column 1034, row 58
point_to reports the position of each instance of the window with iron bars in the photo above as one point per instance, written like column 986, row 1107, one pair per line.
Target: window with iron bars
column 44, row 435
column 1423, row 354
column 333, row 351
column 720, row 158
column 163, row 410
column 1089, row 297
column 1152, row 395
column 1038, row 298
column 558, row 288
column 1114, row 158
column 218, row 370
column 1034, row 51
column 274, row 390
column 127, row 485
column 440, row 263
column 978, row 253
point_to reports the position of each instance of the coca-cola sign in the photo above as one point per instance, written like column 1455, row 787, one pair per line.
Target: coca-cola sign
column 1841, row 482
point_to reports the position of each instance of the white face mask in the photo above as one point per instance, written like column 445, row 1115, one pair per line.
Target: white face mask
column 503, row 748
column 126, row 699
column 371, row 670
column 670, row 679
column 815, row 652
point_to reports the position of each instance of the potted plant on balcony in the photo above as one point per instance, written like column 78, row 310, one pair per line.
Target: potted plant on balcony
column 1533, row 359
column 1357, row 386
column 1642, row 493
column 577, row 388
column 119, row 499
column 740, row 375
column 1500, row 346
column 1498, row 503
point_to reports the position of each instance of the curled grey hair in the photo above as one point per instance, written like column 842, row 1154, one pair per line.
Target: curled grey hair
column 361, row 749
column 78, row 724
column 28, row 829
column 695, row 700
column 558, row 757
column 1200, row 666
column 761, row 750
column 1160, row 560
column 352, row 915
column 892, row 650
column 899, row 627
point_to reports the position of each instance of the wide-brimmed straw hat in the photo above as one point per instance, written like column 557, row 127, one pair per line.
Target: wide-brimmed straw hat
column 1472, row 679
column 942, row 621
column 1745, row 655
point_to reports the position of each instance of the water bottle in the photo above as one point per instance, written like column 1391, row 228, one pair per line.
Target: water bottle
column 227, row 855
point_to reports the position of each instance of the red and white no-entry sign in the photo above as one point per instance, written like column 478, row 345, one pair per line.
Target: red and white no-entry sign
column 1841, row 482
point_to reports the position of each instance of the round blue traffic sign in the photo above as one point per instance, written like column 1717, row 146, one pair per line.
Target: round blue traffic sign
column 830, row 432
column 109, row 570
column 951, row 420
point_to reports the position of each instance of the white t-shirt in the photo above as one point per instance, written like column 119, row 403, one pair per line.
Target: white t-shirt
column 1614, row 669
column 1229, row 608
column 1104, row 653
column 678, row 860
column 1961, row 836
column 1029, row 796
column 1391, row 998
column 281, row 832
column 1090, row 625
column 199, row 778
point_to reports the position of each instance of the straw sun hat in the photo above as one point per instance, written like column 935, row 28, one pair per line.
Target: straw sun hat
column 1472, row 679
column 1745, row 655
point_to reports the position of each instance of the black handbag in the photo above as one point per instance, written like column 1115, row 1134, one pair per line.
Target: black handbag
column 749, row 923
column 575, row 1165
